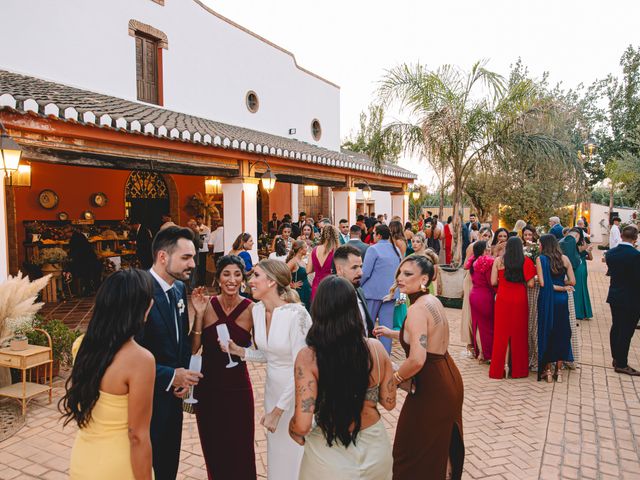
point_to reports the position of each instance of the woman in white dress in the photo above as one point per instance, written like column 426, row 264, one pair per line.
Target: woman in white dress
column 280, row 326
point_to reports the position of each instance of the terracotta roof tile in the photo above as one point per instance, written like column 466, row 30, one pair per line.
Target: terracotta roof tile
column 16, row 90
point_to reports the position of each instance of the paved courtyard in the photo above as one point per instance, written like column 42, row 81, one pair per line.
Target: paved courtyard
column 587, row 427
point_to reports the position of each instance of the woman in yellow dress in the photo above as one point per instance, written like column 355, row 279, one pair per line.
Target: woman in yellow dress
column 110, row 401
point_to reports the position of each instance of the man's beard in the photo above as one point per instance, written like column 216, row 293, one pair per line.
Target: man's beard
column 356, row 282
column 182, row 276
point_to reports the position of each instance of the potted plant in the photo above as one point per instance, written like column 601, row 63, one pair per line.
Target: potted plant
column 19, row 328
column 62, row 338
column 51, row 260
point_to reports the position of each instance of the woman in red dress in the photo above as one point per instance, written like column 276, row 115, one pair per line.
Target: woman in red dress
column 448, row 239
column 512, row 274
column 225, row 409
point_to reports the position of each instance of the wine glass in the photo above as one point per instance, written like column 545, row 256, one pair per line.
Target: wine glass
column 223, row 335
column 195, row 364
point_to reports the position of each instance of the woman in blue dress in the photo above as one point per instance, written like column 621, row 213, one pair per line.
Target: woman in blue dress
column 241, row 247
column 578, row 252
column 556, row 278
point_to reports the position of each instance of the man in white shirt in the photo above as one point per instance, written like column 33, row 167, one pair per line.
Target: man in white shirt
column 216, row 240
column 348, row 262
column 614, row 233
column 205, row 233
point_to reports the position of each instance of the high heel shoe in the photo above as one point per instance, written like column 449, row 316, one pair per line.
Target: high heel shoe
column 506, row 371
column 548, row 375
column 558, row 375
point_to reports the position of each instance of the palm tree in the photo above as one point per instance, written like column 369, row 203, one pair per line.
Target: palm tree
column 456, row 118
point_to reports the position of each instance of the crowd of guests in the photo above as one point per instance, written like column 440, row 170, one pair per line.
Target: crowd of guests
column 321, row 314
column 523, row 295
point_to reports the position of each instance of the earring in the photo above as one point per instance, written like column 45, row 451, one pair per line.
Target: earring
column 242, row 287
column 423, row 287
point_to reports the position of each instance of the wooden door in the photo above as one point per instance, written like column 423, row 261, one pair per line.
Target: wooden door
column 147, row 69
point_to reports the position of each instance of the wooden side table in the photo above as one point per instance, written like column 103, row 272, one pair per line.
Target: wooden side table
column 25, row 360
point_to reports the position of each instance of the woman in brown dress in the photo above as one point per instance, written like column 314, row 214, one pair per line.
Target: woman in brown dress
column 428, row 443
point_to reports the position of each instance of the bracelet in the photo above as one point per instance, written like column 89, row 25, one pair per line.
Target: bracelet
column 397, row 377
column 196, row 333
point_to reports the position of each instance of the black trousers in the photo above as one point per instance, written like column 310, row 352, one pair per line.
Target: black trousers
column 623, row 326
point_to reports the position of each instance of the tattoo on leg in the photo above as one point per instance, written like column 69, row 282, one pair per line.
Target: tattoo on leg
column 423, row 341
column 308, row 404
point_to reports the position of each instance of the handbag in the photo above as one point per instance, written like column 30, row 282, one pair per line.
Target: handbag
column 400, row 311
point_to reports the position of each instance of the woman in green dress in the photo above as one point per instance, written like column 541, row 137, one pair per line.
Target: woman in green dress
column 297, row 265
column 579, row 255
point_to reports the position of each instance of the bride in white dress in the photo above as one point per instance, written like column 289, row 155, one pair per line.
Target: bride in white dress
column 280, row 326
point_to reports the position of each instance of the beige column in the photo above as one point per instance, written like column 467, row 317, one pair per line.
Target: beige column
column 400, row 205
column 240, row 203
column 344, row 204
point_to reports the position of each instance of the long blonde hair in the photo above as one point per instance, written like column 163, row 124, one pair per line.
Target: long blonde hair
column 279, row 272
column 329, row 237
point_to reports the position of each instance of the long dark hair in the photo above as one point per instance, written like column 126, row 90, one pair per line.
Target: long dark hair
column 513, row 259
column 344, row 362
column 494, row 242
column 551, row 248
column 240, row 240
column 118, row 315
column 479, row 248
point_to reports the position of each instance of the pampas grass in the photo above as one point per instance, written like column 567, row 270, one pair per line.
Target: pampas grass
column 18, row 302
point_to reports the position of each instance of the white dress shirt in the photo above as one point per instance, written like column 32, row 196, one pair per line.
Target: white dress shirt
column 217, row 240
column 205, row 237
column 165, row 288
column 614, row 236
column 363, row 314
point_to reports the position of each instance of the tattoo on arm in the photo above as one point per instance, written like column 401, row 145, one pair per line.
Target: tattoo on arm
column 307, row 404
column 299, row 372
column 423, row 341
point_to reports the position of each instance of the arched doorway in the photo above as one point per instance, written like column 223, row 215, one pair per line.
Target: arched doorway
column 147, row 197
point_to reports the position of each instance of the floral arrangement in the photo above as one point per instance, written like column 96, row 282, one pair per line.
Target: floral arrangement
column 51, row 255
column 18, row 303
column 532, row 250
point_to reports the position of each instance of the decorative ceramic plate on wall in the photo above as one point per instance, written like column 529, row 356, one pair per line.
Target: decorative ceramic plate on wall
column 48, row 199
column 63, row 216
column 87, row 215
column 99, row 199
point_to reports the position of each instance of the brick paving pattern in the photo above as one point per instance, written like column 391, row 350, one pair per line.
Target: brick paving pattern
column 587, row 427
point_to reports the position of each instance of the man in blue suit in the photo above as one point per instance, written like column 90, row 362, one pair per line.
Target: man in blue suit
column 378, row 274
column 166, row 336
column 623, row 262
column 556, row 227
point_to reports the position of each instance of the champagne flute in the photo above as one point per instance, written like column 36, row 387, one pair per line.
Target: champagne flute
column 223, row 335
column 195, row 364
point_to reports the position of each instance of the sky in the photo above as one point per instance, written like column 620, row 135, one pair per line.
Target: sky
column 352, row 42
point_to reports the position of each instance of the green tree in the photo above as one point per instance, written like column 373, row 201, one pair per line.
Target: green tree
column 459, row 118
column 371, row 139
column 619, row 131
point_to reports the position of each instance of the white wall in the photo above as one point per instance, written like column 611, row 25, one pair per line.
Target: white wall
column 601, row 213
column 208, row 69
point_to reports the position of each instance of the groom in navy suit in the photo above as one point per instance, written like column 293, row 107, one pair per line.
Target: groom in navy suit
column 166, row 336
column 624, row 291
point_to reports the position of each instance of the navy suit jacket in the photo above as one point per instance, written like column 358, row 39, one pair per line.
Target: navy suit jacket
column 556, row 231
column 623, row 262
column 158, row 336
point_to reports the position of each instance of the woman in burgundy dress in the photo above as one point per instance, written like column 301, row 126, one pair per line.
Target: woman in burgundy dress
column 225, row 410
column 322, row 256
column 481, row 299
